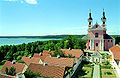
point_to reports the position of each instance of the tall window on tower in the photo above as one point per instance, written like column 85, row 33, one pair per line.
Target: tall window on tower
column 96, row 35
column 96, row 44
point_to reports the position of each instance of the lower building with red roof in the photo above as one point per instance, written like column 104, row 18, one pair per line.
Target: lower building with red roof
column 59, row 61
column 115, row 53
column 77, row 53
column 6, row 76
column 28, row 60
column 19, row 68
column 47, row 71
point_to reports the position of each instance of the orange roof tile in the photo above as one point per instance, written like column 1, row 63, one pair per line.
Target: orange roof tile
column 42, row 55
column 36, row 55
column 28, row 60
column 6, row 76
column 49, row 71
column 62, row 62
column 116, row 52
column 18, row 66
column 46, row 53
column 73, row 52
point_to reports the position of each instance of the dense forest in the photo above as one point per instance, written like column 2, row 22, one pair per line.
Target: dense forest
column 15, row 52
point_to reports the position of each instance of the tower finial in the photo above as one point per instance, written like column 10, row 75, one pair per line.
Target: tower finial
column 103, row 13
column 103, row 18
column 90, row 10
column 103, row 9
column 90, row 19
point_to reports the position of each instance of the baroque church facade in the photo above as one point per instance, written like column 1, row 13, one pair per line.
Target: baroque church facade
column 98, row 39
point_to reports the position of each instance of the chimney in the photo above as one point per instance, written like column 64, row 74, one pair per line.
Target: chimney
column 117, row 45
column 69, row 48
column 40, row 54
column 58, row 56
column 13, row 62
column 45, row 63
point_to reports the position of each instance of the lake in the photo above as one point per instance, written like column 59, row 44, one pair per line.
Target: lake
column 15, row 41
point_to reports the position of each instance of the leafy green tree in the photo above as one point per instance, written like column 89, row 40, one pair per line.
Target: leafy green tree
column 58, row 52
column 11, row 71
column 9, row 56
column 28, row 47
column 117, row 40
column 6, row 70
column 30, row 74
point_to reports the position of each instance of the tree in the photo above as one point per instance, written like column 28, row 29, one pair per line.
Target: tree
column 11, row 71
column 117, row 40
column 6, row 70
column 9, row 56
column 58, row 52
column 30, row 74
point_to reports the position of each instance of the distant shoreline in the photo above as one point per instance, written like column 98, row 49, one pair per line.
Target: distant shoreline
column 47, row 36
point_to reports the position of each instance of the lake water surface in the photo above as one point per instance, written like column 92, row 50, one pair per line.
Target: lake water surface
column 15, row 41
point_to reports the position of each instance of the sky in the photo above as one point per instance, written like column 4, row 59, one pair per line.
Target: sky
column 56, row 17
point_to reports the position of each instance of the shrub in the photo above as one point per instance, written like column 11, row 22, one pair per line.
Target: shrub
column 108, row 73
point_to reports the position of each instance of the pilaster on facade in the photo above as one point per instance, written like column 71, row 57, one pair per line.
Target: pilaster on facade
column 102, row 45
column 90, row 44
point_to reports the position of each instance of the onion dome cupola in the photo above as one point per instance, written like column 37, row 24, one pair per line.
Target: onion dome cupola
column 103, row 17
column 90, row 19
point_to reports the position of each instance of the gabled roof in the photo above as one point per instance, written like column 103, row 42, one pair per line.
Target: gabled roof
column 106, row 36
column 62, row 62
column 116, row 52
column 37, row 55
column 97, row 27
column 6, row 76
column 42, row 55
column 18, row 66
column 28, row 60
column 73, row 52
column 49, row 71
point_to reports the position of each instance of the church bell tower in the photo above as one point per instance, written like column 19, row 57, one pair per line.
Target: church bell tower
column 103, row 20
column 90, row 20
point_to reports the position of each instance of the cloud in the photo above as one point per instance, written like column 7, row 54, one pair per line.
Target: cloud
column 31, row 1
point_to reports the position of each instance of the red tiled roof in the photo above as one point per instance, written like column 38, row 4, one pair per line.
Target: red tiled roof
column 6, row 76
column 73, row 52
column 62, row 62
column 42, row 55
column 36, row 55
column 28, row 60
column 116, row 52
column 46, row 53
column 49, row 71
column 18, row 66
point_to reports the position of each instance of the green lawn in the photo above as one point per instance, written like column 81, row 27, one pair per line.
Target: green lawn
column 86, row 72
column 1, row 66
column 108, row 73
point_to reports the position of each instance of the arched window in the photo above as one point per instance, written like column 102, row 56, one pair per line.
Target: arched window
column 96, row 44
column 96, row 35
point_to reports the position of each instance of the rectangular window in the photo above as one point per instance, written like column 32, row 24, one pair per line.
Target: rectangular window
column 108, row 40
column 96, row 44
column 111, row 40
column 96, row 35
